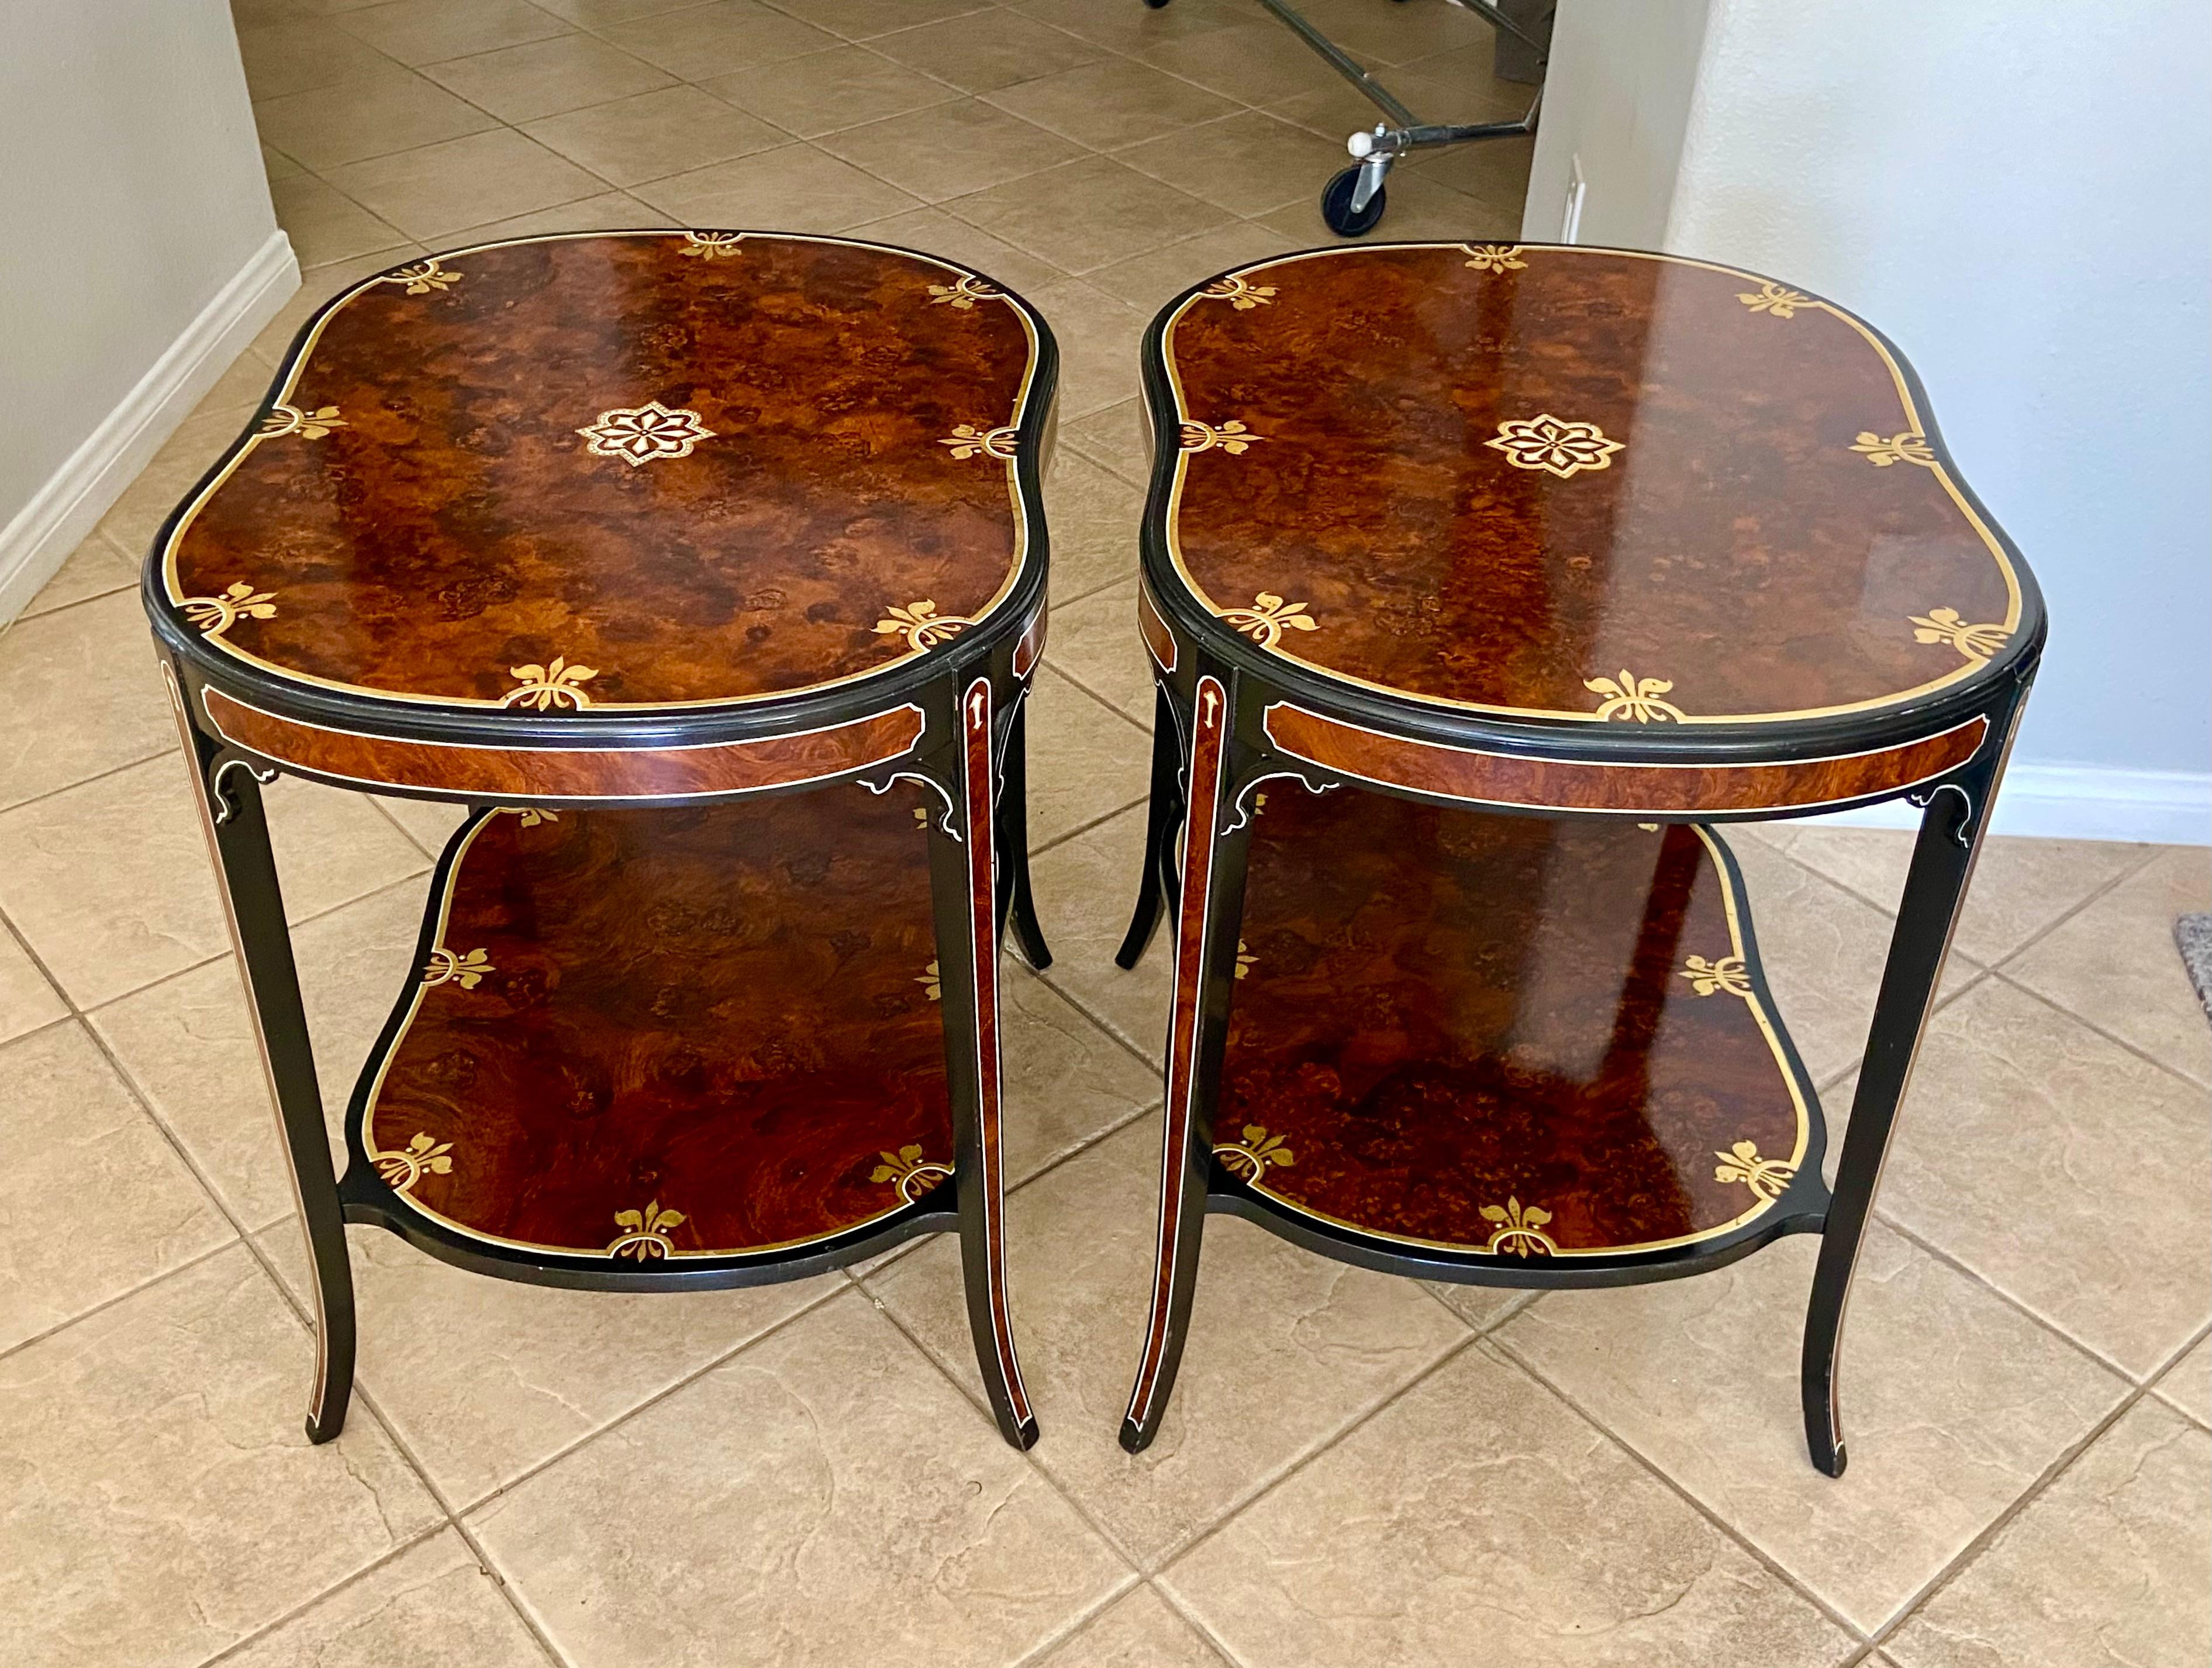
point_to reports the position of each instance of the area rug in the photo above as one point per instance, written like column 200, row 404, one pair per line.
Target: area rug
column 2193, row 933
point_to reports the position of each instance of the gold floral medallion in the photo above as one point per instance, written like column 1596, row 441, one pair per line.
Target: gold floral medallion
column 711, row 245
column 1910, row 447
column 1268, row 616
column 1709, row 978
column 545, row 687
column 532, row 815
column 921, row 625
column 291, row 420
column 645, row 1232
column 422, row 1156
column 1246, row 961
column 1232, row 437
column 1253, row 1157
column 914, row 1175
column 1555, row 445
column 1630, row 696
column 962, row 297
column 1765, row 1177
column 421, row 277
column 1494, row 257
column 930, row 979
column 1520, row 1229
column 1241, row 295
column 1772, row 298
column 465, row 971
column 217, row 615
column 640, row 434
column 966, row 441
column 1976, row 642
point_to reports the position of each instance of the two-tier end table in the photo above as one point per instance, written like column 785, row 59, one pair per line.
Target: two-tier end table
column 707, row 569
column 1511, row 569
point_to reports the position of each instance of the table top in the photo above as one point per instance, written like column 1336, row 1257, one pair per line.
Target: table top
column 621, row 473
column 1570, row 487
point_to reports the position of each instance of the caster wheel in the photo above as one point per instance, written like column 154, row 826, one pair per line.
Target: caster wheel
column 1155, row 5
column 1336, row 205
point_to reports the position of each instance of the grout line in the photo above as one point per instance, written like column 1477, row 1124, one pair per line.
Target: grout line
column 114, row 1298
column 246, row 1641
column 99, row 775
column 2137, row 1049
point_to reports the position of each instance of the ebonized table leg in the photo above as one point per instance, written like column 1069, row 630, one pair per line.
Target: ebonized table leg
column 1159, row 830
column 229, row 793
column 963, row 886
column 1951, row 828
column 1017, row 898
column 1212, row 901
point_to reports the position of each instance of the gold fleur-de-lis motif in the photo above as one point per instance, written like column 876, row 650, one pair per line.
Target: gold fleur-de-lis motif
column 291, row 420
column 216, row 615
column 1555, row 445
column 1774, row 299
column 1909, row 446
column 1766, row 1177
column 932, row 982
column 532, row 815
column 1630, row 697
column 711, row 245
column 1976, row 642
column 545, row 687
column 465, row 971
column 1232, row 437
column 422, row 1156
column 1246, row 961
column 645, row 1232
column 906, row 1167
column 1265, row 620
column 962, row 297
column 421, row 277
column 920, row 624
column 639, row 433
column 966, row 441
column 1709, row 977
column 1238, row 293
column 1494, row 257
column 1251, row 1157
column 1520, row 1229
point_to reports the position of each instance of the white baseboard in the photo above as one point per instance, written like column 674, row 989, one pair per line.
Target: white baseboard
column 38, row 540
column 2080, row 802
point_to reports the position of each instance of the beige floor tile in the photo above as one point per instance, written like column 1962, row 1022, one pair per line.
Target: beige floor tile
column 1067, row 1081
column 1480, row 1306
column 325, row 225
column 79, row 694
column 1114, row 102
column 430, row 30
column 1955, row 1403
column 652, row 135
column 2020, row 886
column 1132, row 29
column 1479, row 1513
column 825, row 91
column 2115, row 964
column 719, row 39
column 98, row 1202
column 981, row 52
column 797, row 188
column 605, row 14
column 1094, row 642
column 1435, row 95
column 1285, row 1348
column 934, row 232
column 238, row 391
column 1094, row 515
column 1494, row 173
column 1399, row 33
column 1256, row 63
column 1085, row 761
column 317, row 284
column 28, row 1000
column 2105, row 1569
column 834, row 1500
column 109, row 881
column 303, row 53
column 1098, row 336
column 135, row 516
column 867, row 20
column 1085, row 888
column 1139, row 1630
column 435, row 1592
column 1416, row 209
column 428, row 823
column 2062, row 1169
column 2188, row 1382
column 609, row 211
column 1117, row 436
column 1150, row 281
column 438, row 189
column 949, row 151
column 93, row 568
column 545, row 77
column 163, row 1501
column 1247, row 163
column 483, row 1378
column 187, row 1044
column 368, row 116
column 1087, row 214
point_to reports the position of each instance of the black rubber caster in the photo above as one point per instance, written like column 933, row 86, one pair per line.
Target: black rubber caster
column 1336, row 205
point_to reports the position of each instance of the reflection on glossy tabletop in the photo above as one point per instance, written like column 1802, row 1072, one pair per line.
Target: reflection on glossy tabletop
column 1504, row 1033
column 1589, row 485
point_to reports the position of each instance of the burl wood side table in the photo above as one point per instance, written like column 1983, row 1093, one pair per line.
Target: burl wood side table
column 1511, row 569
column 708, row 568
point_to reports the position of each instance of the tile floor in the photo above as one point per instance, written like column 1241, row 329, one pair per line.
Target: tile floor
column 1357, row 1470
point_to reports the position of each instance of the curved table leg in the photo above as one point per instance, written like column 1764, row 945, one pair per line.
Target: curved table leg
column 1212, row 902
column 964, row 888
column 237, row 829
column 1159, row 832
column 1017, row 898
column 1951, row 829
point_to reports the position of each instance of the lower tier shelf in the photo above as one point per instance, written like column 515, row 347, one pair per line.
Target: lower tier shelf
column 1507, row 1040
column 658, row 1037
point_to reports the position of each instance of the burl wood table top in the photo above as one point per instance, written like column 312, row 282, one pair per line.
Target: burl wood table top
column 1570, row 487
column 623, row 473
